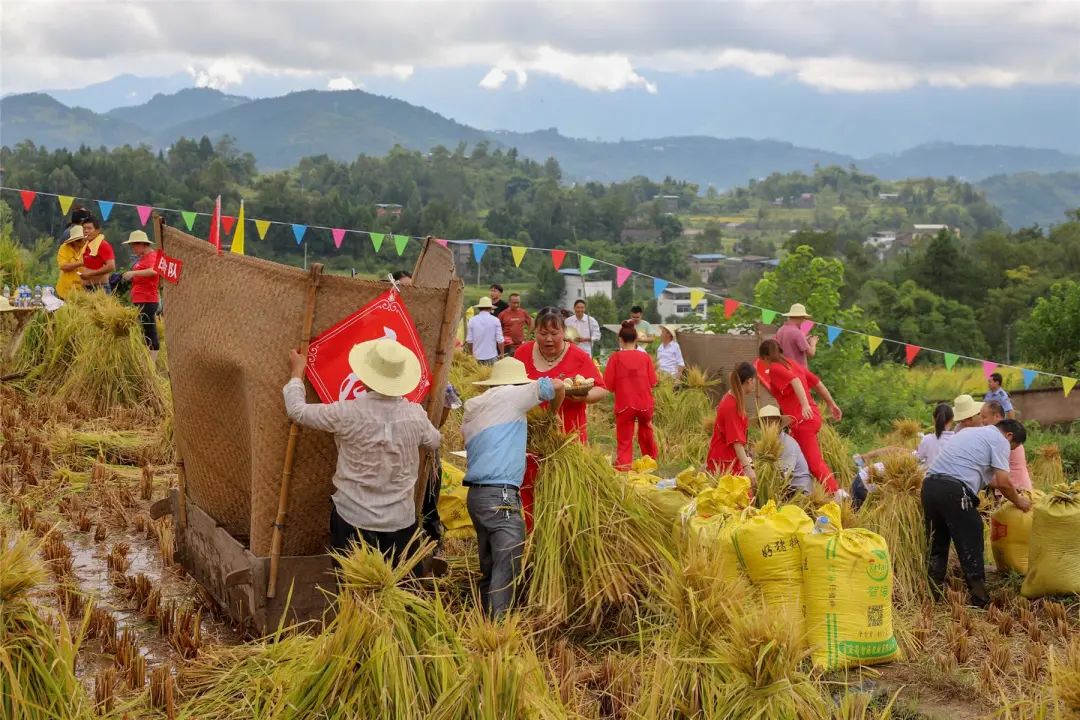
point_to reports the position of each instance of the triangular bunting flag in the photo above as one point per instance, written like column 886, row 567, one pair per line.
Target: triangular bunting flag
column 261, row 226
column 65, row 203
column 584, row 263
column 106, row 209
column 376, row 240
column 950, row 360
column 988, row 368
column 557, row 256
column 338, row 234
column 730, row 306
column 400, row 243
column 1029, row 377
column 806, row 327
column 873, row 342
column 27, row 198
column 832, row 332
column 441, row 241
column 189, row 218
column 237, row 246
column 215, row 225
column 144, row 213
column 1067, row 384
column 910, row 351
column 227, row 222
column 621, row 275
column 658, row 286
column 696, row 296
column 767, row 316
column 478, row 250
column 298, row 232
column 518, row 252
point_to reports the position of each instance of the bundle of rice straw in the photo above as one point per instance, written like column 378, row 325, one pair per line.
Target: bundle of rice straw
column 837, row 453
column 683, row 419
column 894, row 511
column 37, row 661
column 772, row 482
column 595, row 541
column 1047, row 470
column 905, row 433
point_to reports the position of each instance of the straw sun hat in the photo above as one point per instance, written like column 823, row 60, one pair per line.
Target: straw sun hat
column 508, row 371
column 768, row 412
column 138, row 236
column 964, row 407
column 484, row 303
column 798, row 310
column 385, row 366
column 75, row 233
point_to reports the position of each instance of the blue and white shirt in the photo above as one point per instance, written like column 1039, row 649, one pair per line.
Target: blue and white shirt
column 495, row 429
column 1001, row 396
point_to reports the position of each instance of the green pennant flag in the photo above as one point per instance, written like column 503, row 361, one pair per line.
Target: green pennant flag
column 585, row 263
column 400, row 241
column 950, row 360
column 189, row 218
column 767, row 316
column 376, row 240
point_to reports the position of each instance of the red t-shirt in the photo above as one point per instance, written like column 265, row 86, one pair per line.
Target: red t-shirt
column 575, row 362
column 777, row 379
column 96, row 262
column 514, row 323
column 631, row 376
column 145, row 289
column 730, row 428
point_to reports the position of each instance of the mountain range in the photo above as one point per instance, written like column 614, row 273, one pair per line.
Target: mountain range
column 343, row 124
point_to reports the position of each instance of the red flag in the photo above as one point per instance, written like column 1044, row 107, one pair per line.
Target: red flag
column 227, row 222
column 730, row 306
column 910, row 351
column 215, row 225
column 27, row 198
column 168, row 267
column 328, row 357
column 557, row 256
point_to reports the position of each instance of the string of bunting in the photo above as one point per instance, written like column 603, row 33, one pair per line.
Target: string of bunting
column 558, row 257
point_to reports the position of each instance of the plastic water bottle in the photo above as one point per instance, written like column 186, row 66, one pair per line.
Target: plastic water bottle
column 822, row 525
column 7, row 292
column 37, row 296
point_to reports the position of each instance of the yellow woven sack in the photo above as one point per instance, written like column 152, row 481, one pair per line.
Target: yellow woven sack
column 452, row 508
column 713, row 534
column 732, row 492
column 644, row 465
column 691, row 483
column 847, row 594
column 1010, row 530
column 767, row 546
column 1054, row 547
column 667, row 503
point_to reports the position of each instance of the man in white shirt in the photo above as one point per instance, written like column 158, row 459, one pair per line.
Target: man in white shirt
column 484, row 336
column 586, row 327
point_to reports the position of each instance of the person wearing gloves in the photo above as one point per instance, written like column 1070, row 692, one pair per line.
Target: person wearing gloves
column 495, row 429
column 378, row 436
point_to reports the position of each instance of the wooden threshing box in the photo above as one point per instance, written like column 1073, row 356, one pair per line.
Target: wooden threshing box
column 718, row 354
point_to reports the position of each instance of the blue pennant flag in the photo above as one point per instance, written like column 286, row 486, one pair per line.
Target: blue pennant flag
column 106, row 209
column 658, row 286
column 298, row 232
column 478, row 250
column 1029, row 377
column 832, row 333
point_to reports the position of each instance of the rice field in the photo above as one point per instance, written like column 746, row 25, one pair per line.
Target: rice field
column 626, row 612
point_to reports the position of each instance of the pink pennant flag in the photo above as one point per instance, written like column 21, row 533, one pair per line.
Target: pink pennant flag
column 557, row 256
column 441, row 241
column 144, row 213
column 806, row 327
column 27, row 198
column 988, row 368
column 621, row 276
column 339, row 235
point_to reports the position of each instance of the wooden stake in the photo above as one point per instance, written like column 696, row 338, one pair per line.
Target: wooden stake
column 290, row 448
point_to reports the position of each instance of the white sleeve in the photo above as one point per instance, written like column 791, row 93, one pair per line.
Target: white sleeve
column 499, row 333
column 468, row 331
column 594, row 329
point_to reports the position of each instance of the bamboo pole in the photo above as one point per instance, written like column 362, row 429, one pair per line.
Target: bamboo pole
column 290, row 449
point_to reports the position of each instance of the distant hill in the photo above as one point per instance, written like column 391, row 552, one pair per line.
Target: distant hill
column 47, row 122
column 1029, row 198
column 967, row 162
column 163, row 111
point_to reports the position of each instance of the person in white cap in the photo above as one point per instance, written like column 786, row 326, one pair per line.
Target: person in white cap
column 484, row 336
column 495, row 428
column 378, row 435
column 793, row 341
column 144, row 287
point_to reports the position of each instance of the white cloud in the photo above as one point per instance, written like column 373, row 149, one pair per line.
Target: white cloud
column 219, row 74
column 341, row 83
column 494, row 79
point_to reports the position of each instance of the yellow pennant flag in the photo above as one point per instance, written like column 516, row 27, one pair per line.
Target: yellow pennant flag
column 696, row 296
column 65, row 203
column 238, row 236
column 1067, row 384
column 518, row 252
column 874, row 342
column 261, row 226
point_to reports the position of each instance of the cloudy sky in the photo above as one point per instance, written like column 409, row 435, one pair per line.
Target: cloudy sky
column 603, row 47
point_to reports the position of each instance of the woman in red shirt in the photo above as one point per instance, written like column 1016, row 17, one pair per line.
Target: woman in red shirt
column 144, row 287
column 550, row 355
column 727, row 448
column 791, row 384
column 630, row 375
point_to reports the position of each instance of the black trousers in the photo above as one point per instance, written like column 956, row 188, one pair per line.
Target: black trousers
column 148, row 320
column 951, row 513
column 393, row 545
column 430, row 509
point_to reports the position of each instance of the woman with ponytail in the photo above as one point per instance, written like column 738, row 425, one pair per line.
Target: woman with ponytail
column 630, row 375
column 727, row 448
column 931, row 443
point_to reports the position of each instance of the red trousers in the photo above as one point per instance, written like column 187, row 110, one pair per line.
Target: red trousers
column 624, row 436
column 805, row 434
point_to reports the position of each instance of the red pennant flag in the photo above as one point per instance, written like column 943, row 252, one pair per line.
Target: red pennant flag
column 910, row 351
column 27, row 198
column 730, row 306
column 557, row 256
column 227, row 222
column 215, row 225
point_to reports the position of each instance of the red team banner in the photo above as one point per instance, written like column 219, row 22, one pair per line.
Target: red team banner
column 328, row 355
column 168, row 268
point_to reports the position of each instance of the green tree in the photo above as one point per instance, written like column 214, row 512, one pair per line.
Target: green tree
column 602, row 308
column 549, row 288
column 1051, row 334
column 916, row 315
